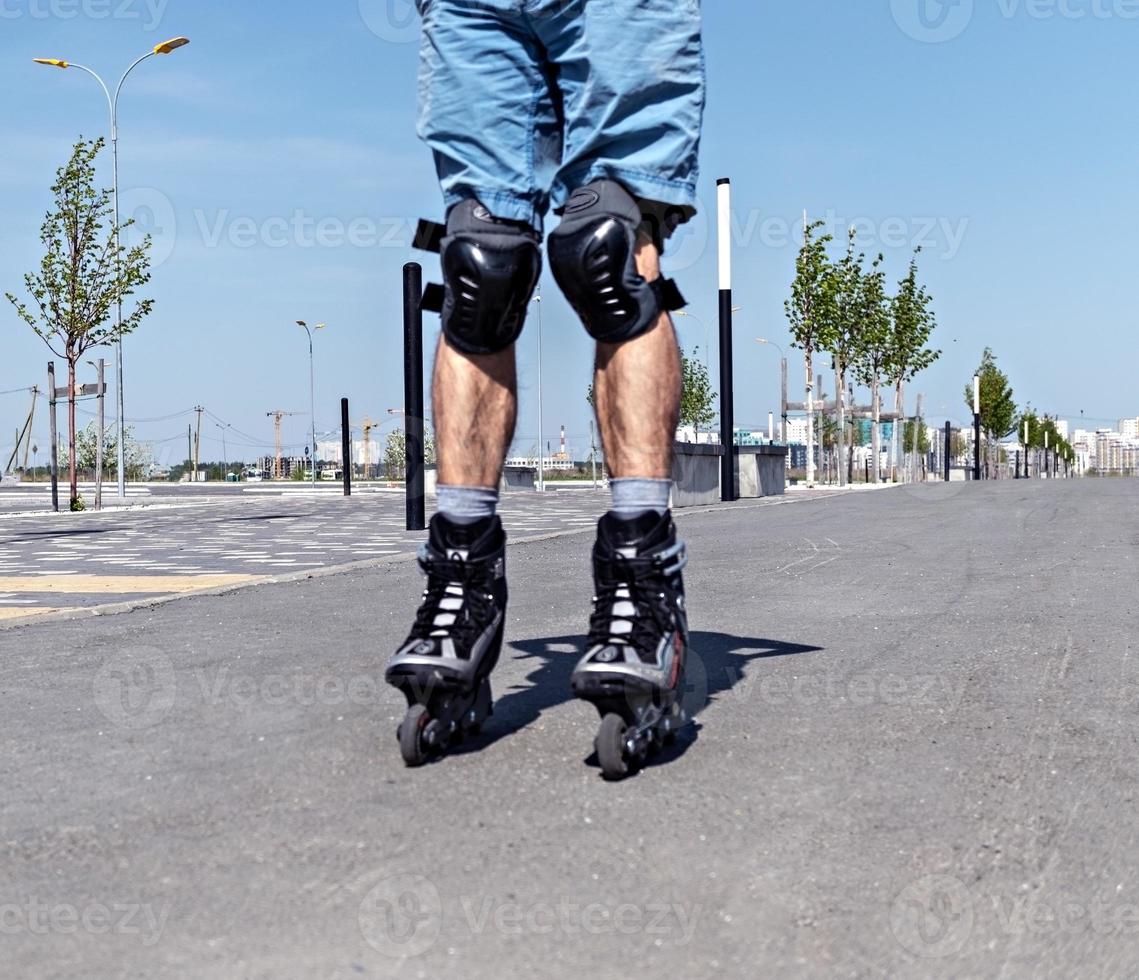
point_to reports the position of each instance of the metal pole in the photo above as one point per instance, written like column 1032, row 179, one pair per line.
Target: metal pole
column 346, row 447
column 727, row 395
column 947, row 449
column 976, row 428
column 120, row 452
column 54, row 436
column 312, row 403
column 413, row 395
column 541, row 457
column 593, row 454
column 783, row 413
column 99, row 445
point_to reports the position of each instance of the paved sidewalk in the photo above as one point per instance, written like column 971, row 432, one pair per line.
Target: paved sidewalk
column 916, row 757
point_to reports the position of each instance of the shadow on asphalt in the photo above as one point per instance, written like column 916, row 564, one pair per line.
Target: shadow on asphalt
column 717, row 662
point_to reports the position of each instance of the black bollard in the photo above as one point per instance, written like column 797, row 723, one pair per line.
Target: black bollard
column 346, row 447
column 413, row 394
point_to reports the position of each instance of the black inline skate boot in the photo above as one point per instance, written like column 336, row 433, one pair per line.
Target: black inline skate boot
column 443, row 667
column 633, row 668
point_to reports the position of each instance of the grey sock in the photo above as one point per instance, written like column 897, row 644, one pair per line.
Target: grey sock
column 467, row 505
column 634, row 496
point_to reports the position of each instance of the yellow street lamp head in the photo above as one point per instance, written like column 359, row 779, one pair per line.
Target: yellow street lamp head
column 172, row 45
column 320, row 326
column 54, row 62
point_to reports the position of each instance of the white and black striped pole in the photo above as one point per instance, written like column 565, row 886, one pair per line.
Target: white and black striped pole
column 727, row 395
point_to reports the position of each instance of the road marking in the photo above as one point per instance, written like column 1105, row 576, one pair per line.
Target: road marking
column 114, row 584
column 24, row 611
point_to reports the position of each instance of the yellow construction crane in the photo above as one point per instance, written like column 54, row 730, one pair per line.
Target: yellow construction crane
column 367, row 425
column 276, row 415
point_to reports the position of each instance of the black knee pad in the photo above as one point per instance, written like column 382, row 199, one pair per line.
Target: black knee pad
column 490, row 269
column 593, row 258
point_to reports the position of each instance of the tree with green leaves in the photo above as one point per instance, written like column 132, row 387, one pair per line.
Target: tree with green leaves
column 912, row 322
column 697, row 400
column 873, row 350
column 841, row 337
column 84, row 275
column 998, row 409
column 810, row 313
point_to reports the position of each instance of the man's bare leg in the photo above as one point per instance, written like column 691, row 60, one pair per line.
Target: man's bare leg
column 637, row 393
column 476, row 406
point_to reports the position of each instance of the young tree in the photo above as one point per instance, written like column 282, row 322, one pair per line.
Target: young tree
column 810, row 315
column 873, row 348
column 395, row 455
column 912, row 323
column 998, row 409
column 697, row 400
column 84, row 274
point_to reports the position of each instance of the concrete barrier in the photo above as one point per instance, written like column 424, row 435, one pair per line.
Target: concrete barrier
column 696, row 474
column 761, row 471
column 519, row 478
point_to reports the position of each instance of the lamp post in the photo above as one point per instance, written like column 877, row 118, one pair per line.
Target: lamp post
column 224, row 453
column 311, row 391
column 782, row 375
column 693, row 316
column 541, row 461
column 166, row 47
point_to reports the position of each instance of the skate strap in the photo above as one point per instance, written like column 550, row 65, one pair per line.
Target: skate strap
column 429, row 236
column 432, row 300
column 668, row 294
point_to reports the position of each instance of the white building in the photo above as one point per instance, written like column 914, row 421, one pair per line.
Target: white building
column 1129, row 428
column 1062, row 428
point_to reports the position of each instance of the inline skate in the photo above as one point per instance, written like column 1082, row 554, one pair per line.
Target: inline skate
column 633, row 667
column 443, row 667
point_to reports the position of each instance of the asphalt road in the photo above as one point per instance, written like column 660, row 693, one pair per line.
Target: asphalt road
column 917, row 758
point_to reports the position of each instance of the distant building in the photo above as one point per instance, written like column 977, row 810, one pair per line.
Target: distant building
column 1129, row 428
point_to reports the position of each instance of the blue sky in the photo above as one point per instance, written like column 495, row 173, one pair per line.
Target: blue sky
column 275, row 161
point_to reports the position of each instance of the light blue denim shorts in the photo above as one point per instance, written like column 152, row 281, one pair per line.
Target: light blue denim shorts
column 523, row 101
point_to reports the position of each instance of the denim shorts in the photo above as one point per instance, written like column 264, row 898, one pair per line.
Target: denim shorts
column 523, row 101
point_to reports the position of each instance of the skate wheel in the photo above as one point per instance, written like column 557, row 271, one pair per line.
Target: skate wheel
column 412, row 745
column 610, row 745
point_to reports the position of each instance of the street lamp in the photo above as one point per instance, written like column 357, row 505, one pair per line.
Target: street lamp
column 166, row 47
column 311, row 390
column 224, row 454
column 707, row 342
column 782, row 372
column 541, row 460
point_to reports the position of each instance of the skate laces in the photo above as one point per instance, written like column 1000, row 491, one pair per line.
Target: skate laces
column 457, row 602
column 631, row 607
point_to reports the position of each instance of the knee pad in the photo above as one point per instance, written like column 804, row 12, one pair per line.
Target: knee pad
column 490, row 269
column 593, row 258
